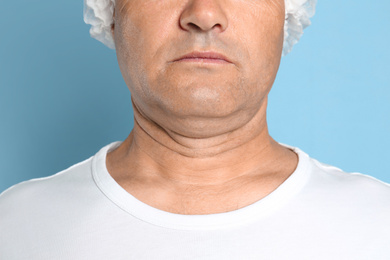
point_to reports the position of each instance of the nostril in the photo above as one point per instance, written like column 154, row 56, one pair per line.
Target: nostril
column 194, row 26
column 198, row 28
column 200, row 17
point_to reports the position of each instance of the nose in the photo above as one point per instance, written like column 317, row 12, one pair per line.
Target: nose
column 203, row 15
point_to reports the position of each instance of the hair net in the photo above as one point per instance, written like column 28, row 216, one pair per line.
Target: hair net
column 99, row 14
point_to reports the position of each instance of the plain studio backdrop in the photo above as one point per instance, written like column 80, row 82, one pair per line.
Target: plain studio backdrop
column 62, row 96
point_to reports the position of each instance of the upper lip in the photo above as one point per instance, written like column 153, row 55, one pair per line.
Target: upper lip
column 204, row 55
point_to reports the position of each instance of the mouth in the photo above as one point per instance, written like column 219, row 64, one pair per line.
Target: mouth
column 204, row 57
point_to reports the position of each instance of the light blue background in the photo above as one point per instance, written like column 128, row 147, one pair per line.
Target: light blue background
column 62, row 96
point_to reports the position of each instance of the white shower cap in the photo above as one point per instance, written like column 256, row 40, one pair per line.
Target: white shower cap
column 99, row 14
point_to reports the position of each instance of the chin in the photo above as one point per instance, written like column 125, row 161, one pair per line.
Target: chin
column 202, row 121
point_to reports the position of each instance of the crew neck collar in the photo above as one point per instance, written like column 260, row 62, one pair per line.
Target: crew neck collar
column 140, row 210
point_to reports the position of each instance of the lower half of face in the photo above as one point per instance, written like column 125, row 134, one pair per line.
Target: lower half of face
column 194, row 94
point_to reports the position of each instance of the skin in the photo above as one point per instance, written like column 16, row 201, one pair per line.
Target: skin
column 200, row 142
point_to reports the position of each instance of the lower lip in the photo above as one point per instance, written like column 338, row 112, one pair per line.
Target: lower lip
column 202, row 60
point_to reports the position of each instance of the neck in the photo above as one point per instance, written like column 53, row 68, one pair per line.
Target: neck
column 214, row 174
column 151, row 151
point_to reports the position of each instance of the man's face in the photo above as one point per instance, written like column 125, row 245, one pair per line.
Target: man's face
column 192, row 97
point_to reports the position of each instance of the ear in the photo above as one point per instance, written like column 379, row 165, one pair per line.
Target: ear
column 113, row 25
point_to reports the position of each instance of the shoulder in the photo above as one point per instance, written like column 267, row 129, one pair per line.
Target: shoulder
column 351, row 179
column 31, row 193
column 350, row 187
column 328, row 179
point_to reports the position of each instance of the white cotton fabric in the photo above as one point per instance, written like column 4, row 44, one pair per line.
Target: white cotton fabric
column 319, row 212
column 99, row 14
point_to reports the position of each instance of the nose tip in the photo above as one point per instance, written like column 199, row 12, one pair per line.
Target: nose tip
column 203, row 15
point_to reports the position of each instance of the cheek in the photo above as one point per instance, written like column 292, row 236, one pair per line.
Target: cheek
column 264, row 35
column 268, row 25
column 140, row 42
column 146, row 24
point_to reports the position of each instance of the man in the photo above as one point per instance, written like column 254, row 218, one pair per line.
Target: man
column 199, row 176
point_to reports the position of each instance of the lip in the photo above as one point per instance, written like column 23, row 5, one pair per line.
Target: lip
column 206, row 57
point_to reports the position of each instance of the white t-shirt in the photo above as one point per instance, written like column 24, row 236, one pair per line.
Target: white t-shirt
column 319, row 212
